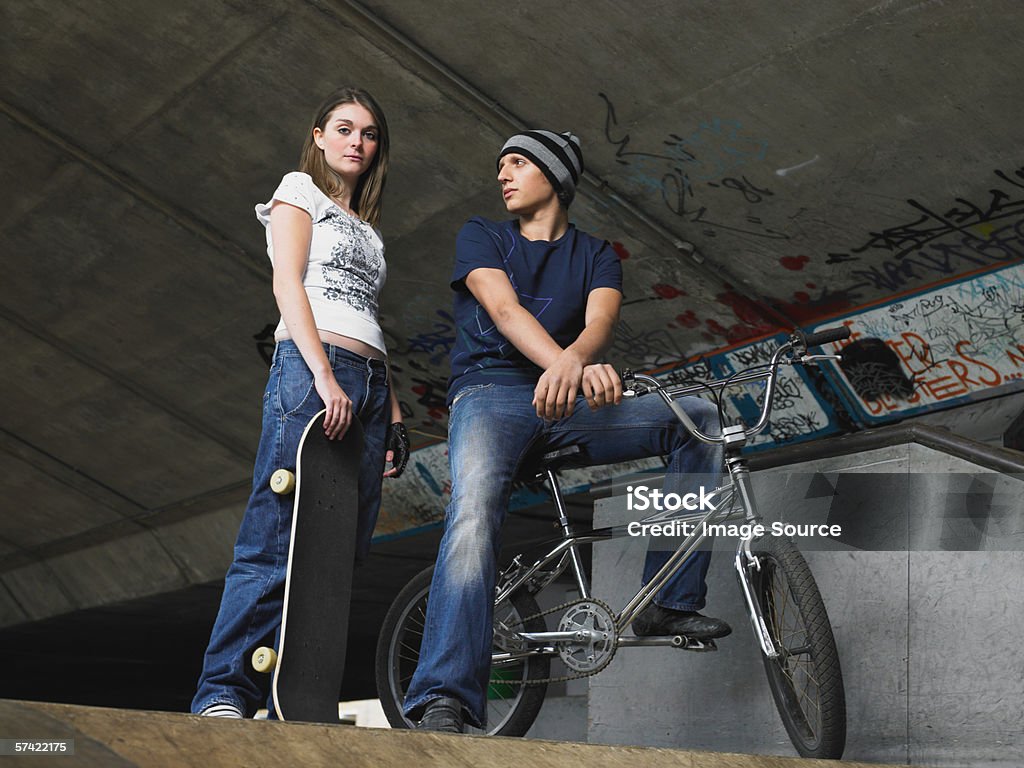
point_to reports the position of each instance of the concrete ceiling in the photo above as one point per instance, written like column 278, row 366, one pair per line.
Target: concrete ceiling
column 755, row 165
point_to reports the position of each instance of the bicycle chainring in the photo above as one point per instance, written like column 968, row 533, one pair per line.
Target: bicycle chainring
column 573, row 616
column 597, row 641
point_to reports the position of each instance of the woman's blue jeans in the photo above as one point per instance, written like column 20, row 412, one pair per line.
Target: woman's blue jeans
column 490, row 430
column 250, row 609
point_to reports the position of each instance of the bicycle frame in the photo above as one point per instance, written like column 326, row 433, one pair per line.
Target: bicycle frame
column 732, row 506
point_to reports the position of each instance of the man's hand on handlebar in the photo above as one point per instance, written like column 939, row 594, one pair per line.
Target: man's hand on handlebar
column 601, row 385
column 555, row 393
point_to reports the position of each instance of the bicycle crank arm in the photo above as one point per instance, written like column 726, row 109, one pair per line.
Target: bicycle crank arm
column 573, row 636
column 675, row 641
column 672, row 641
column 514, row 657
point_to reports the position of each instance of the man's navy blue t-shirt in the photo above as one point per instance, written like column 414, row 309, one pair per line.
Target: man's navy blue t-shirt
column 553, row 280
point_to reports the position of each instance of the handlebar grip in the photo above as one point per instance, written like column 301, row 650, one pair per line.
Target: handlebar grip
column 827, row 335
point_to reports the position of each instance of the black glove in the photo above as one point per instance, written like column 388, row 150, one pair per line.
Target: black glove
column 398, row 441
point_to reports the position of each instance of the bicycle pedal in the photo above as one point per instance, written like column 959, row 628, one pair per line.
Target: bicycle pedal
column 698, row 646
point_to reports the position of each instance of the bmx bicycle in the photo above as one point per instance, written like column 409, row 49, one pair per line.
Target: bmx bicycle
column 787, row 614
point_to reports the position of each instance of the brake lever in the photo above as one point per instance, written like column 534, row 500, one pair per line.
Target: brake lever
column 628, row 382
column 811, row 359
column 629, row 385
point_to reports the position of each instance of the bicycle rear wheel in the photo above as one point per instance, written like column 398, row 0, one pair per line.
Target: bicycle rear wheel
column 805, row 679
column 512, row 706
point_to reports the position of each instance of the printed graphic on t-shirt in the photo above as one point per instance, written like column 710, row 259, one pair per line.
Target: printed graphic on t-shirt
column 351, row 274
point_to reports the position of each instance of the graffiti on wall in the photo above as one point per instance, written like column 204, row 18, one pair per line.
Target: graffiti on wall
column 647, row 348
column 695, row 171
column 419, row 498
column 683, row 168
column 972, row 233
column 961, row 342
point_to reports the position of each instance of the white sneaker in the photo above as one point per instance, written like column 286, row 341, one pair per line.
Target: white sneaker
column 223, row 710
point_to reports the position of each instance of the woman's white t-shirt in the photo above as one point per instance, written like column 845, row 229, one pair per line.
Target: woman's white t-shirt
column 345, row 270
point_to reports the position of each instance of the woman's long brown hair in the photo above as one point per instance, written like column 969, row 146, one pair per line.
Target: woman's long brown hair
column 366, row 197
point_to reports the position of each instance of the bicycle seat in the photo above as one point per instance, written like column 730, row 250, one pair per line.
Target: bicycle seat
column 535, row 466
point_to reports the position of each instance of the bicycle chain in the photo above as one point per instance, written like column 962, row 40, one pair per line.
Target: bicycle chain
column 579, row 675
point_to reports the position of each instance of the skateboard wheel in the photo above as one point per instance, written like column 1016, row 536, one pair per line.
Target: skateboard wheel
column 282, row 481
column 264, row 659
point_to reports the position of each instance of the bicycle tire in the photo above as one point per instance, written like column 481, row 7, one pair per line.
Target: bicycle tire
column 806, row 679
column 511, row 706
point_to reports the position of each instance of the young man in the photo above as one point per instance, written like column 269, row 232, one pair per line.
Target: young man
column 536, row 304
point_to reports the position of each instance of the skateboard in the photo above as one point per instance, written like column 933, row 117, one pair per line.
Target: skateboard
column 310, row 661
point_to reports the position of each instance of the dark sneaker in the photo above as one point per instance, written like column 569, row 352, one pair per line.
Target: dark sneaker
column 444, row 715
column 655, row 621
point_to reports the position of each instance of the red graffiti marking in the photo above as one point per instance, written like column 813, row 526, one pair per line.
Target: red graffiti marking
column 1016, row 359
column 734, row 333
column 795, row 263
column 745, row 309
column 803, row 309
column 688, row 319
column 937, row 379
column 752, row 322
column 620, row 250
column 668, row 291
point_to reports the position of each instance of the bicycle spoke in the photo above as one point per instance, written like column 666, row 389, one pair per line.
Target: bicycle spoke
column 412, row 652
column 421, row 617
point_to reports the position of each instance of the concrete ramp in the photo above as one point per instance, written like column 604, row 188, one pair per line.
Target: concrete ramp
column 112, row 738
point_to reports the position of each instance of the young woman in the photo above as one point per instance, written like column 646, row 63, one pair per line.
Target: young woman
column 328, row 259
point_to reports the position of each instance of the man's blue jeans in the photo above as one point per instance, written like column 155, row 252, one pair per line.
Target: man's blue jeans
column 250, row 609
column 490, row 430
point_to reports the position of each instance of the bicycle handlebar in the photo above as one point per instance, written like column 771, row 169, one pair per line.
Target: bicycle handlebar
column 825, row 336
column 798, row 342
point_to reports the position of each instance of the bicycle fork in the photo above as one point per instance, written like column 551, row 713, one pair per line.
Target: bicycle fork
column 746, row 561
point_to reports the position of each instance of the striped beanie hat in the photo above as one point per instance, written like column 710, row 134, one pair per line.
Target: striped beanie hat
column 557, row 154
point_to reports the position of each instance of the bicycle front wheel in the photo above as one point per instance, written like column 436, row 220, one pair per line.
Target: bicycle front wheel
column 805, row 678
column 512, row 703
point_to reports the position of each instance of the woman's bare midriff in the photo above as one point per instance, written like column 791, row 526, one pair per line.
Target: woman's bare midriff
column 352, row 345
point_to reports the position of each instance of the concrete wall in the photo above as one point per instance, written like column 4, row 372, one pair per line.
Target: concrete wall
column 928, row 639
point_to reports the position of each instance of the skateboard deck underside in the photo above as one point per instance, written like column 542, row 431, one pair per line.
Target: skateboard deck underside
column 318, row 586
